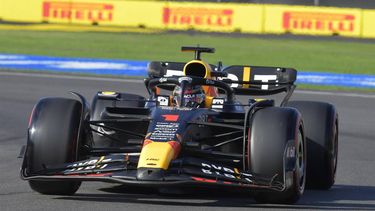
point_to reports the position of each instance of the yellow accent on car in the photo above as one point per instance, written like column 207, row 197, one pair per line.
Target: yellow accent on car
column 207, row 69
column 156, row 155
column 208, row 102
column 259, row 99
column 108, row 93
column 202, row 69
column 100, row 159
column 246, row 76
column 237, row 172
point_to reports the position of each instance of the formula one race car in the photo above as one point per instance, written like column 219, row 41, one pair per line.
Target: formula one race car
column 190, row 132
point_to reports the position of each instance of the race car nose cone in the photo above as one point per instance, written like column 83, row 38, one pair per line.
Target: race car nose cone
column 158, row 155
column 154, row 174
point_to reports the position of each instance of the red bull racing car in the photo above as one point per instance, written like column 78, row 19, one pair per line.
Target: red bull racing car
column 190, row 132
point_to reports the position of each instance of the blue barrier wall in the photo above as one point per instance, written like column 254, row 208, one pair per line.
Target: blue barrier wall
column 138, row 68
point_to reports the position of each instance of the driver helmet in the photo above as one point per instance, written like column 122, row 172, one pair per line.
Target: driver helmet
column 193, row 96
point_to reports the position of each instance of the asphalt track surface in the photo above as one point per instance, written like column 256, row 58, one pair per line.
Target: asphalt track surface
column 355, row 182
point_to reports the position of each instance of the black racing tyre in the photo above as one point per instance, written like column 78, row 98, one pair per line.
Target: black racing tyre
column 321, row 130
column 97, row 113
column 273, row 131
column 53, row 138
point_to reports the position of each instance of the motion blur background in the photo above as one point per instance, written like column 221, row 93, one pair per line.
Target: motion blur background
column 333, row 37
column 326, row 3
column 342, row 17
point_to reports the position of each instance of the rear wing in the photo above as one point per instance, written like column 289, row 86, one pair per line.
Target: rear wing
column 245, row 80
column 256, row 80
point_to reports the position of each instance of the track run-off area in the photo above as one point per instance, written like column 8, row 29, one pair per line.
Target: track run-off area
column 355, row 182
column 118, row 67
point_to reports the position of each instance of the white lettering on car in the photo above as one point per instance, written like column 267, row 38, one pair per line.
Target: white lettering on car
column 231, row 77
column 265, row 79
column 224, row 171
column 88, row 165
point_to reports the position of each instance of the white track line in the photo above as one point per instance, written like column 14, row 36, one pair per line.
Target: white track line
column 90, row 78
column 341, row 94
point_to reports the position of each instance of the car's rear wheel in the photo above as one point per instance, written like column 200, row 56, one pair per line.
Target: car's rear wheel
column 321, row 128
column 277, row 149
column 53, row 139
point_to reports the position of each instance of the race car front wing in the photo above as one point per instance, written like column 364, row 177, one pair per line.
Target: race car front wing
column 122, row 168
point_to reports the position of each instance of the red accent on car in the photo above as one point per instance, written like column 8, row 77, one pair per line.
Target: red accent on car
column 248, row 148
column 176, row 147
column 147, row 141
column 31, row 116
column 170, row 117
column 203, row 179
column 85, row 175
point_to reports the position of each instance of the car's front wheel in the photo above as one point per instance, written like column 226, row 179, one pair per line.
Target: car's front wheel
column 53, row 139
column 277, row 149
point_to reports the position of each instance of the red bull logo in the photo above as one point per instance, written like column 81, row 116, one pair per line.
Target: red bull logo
column 318, row 22
column 183, row 16
column 94, row 12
